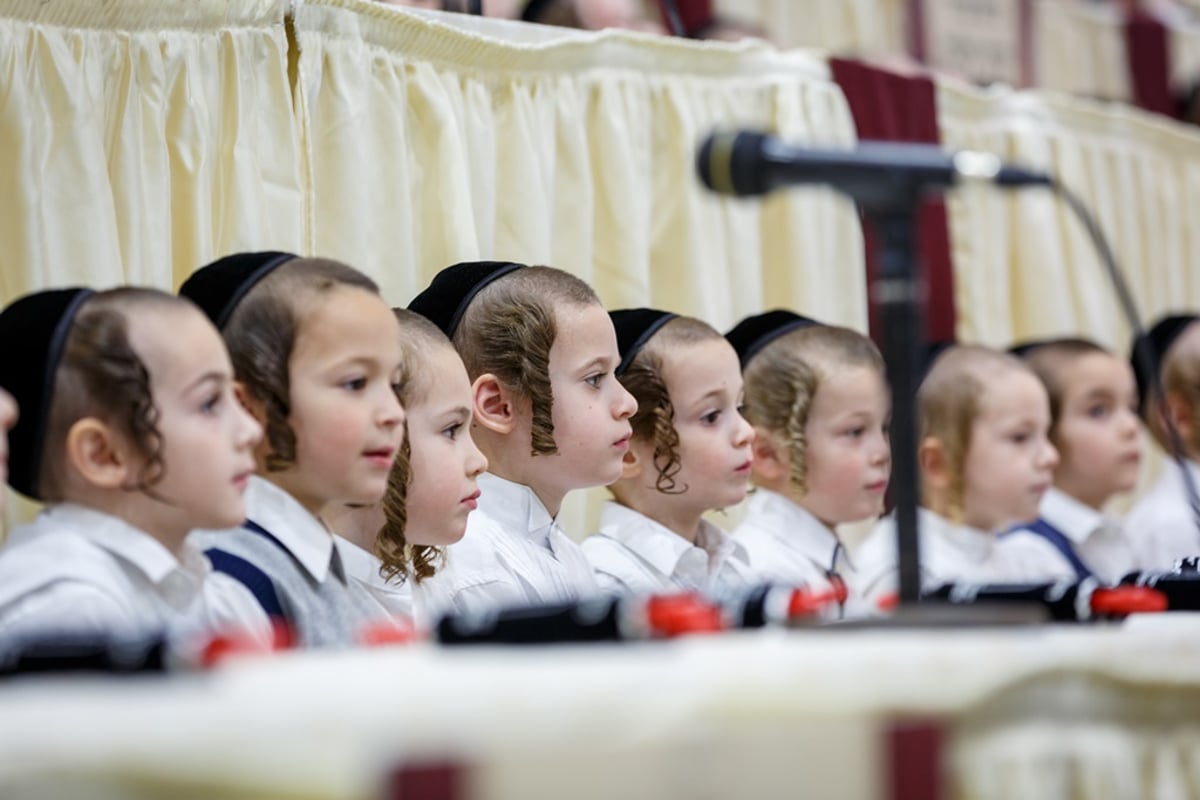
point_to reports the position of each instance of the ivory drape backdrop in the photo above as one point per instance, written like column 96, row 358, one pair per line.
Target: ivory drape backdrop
column 140, row 138
column 431, row 143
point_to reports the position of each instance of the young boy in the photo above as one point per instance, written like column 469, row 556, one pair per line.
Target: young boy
column 1094, row 426
column 316, row 353
column 131, row 436
column 1163, row 524
column 550, row 417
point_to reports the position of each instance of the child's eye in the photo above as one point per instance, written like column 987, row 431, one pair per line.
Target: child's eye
column 211, row 404
column 451, row 431
column 1020, row 438
column 856, row 432
column 1098, row 411
column 595, row 380
column 711, row 417
column 355, row 384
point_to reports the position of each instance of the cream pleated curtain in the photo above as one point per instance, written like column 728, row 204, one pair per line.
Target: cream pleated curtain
column 434, row 138
column 1024, row 266
column 1079, row 47
column 840, row 26
column 139, row 139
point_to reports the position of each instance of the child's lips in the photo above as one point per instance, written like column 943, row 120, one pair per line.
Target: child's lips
column 877, row 487
column 242, row 479
column 471, row 501
column 1132, row 457
column 745, row 467
column 382, row 457
column 623, row 442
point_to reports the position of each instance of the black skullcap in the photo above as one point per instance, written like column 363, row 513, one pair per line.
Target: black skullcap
column 1148, row 350
column 754, row 333
column 634, row 328
column 1023, row 349
column 930, row 353
column 218, row 287
column 34, row 330
column 446, row 298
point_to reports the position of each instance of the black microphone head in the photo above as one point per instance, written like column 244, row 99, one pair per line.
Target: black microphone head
column 732, row 163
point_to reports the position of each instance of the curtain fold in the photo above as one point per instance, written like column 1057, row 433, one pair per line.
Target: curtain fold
column 1079, row 48
column 434, row 139
column 140, row 139
column 1024, row 266
column 844, row 26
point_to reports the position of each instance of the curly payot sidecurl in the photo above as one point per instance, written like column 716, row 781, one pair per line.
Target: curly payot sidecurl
column 101, row 375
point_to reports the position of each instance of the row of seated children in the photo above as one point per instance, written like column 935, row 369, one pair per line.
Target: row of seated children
column 441, row 441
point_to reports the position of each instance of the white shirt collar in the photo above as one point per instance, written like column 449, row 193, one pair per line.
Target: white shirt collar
column 1075, row 520
column 123, row 540
column 794, row 527
column 972, row 543
column 660, row 546
column 304, row 536
column 359, row 563
column 516, row 509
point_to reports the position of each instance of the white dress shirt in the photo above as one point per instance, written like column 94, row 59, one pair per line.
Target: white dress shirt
column 1161, row 525
column 74, row 569
column 950, row 553
column 362, row 568
column 1097, row 539
column 787, row 544
column 513, row 554
column 633, row 554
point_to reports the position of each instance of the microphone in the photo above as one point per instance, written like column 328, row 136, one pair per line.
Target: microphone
column 748, row 163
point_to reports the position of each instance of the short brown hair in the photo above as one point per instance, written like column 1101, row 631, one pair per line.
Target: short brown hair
column 1049, row 359
column 261, row 333
column 418, row 336
column 508, row 330
column 948, row 403
column 1181, row 376
column 654, row 420
column 783, row 378
column 101, row 375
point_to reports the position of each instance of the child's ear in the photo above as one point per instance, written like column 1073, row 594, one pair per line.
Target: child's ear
column 771, row 460
column 96, row 453
column 494, row 406
column 255, row 407
column 934, row 463
column 1180, row 412
column 631, row 465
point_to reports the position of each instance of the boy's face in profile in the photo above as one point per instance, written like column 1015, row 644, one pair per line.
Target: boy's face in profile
column 1098, row 434
column 591, row 409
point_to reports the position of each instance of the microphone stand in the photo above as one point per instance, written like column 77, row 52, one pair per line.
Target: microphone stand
column 896, row 294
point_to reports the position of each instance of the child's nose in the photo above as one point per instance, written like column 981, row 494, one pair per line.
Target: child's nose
column 1050, row 456
column 252, row 430
column 743, row 433
column 477, row 463
column 626, row 405
column 391, row 413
